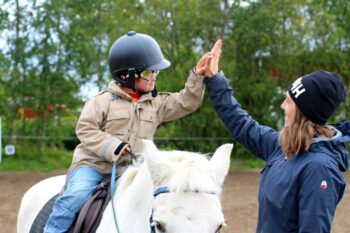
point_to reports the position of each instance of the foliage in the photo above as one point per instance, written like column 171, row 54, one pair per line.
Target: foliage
column 246, row 163
column 30, row 157
column 54, row 48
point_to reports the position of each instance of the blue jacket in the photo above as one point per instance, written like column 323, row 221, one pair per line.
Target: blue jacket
column 295, row 195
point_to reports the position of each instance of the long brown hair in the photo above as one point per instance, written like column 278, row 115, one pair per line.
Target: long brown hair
column 296, row 138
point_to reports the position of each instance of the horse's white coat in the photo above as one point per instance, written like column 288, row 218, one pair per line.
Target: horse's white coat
column 34, row 200
column 177, row 211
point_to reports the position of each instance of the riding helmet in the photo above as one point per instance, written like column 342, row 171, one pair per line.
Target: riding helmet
column 132, row 53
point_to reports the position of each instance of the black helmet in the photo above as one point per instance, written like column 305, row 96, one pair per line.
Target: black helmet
column 132, row 53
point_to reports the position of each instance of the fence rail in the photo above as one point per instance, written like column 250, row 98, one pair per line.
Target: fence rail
column 20, row 137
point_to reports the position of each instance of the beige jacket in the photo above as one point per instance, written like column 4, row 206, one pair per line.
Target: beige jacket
column 111, row 118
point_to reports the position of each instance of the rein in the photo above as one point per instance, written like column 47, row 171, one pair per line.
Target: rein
column 112, row 188
column 114, row 172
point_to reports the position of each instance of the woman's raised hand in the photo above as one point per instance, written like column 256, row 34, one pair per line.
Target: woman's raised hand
column 208, row 64
column 212, row 62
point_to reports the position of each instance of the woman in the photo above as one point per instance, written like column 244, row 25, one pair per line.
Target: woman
column 302, row 182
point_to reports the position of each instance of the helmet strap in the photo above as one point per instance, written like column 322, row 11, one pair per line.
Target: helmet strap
column 131, row 75
column 154, row 92
column 127, row 78
column 129, row 82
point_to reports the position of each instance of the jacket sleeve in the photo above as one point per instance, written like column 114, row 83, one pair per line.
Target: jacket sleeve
column 321, row 188
column 177, row 105
column 89, row 129
column 260, row 140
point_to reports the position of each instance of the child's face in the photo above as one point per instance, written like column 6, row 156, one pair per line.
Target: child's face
column 147, row 81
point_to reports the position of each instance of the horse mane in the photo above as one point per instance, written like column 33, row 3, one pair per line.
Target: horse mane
column 127, row 178
column 187, row 171
column 178, row 170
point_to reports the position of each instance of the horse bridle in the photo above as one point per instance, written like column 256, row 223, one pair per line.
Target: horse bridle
column 158, row 191
column 165, row 189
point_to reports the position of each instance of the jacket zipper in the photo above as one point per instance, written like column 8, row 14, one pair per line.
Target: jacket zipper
column 136, row 119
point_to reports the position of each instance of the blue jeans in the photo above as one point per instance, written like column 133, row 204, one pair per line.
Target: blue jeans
column 81, row 186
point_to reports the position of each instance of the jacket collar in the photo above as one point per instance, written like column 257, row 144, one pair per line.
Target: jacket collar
column 116, row 90
column 335, row 146
column 338, row 135
column 344, row 128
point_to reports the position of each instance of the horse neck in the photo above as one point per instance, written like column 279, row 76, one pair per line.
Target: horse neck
column 133, row 203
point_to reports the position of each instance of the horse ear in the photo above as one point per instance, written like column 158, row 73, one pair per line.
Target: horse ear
column 220, row 163
column 148, row 146
column 156, row 163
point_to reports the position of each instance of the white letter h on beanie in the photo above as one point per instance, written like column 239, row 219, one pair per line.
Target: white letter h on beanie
column 297, row 88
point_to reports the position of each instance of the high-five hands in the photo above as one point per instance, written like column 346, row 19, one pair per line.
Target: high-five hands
column 208, row 64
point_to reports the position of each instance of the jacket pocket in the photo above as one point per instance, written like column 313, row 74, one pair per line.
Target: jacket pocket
column 117, row 122
column 148, row 124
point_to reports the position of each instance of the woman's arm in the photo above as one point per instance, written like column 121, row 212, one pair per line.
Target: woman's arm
column 260, row 140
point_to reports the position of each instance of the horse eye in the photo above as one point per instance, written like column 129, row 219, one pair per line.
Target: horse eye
column 219, row 228
column 159, row 227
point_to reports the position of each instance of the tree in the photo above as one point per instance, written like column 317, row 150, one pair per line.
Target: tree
column 54, row 48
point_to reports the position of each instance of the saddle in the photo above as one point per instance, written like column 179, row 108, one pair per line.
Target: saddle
column 89, row 216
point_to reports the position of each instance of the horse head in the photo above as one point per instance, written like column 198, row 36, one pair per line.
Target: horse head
column 187, row 189
column 178, row 190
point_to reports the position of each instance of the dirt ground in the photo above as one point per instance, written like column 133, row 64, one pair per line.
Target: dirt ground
column 239, row 201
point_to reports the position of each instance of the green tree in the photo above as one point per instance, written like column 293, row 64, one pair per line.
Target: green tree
column 54, row 48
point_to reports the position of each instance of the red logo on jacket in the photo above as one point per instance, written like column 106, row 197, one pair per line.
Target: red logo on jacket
column 323, row 184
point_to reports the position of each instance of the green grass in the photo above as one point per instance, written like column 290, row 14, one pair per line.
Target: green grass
column 30, row 157
column 248, row 163
column 45, row 160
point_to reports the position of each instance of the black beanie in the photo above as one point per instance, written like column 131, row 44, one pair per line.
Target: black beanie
column 317, row 95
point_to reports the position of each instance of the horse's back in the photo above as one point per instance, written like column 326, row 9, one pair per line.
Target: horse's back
column 35, row 199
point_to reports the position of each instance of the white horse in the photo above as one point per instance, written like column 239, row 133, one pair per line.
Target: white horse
column 188, row 200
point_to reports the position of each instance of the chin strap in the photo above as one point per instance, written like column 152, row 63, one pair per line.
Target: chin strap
column 128, row 80
column 154, row 92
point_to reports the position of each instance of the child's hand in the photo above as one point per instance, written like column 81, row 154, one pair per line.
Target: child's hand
column 126, row 150
column 201, row 64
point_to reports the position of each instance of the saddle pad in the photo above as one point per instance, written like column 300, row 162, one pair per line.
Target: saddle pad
column 41, row 219
column 88, row 218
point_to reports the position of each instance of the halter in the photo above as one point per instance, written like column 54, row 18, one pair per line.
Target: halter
column 165, row 189
column 158, row 191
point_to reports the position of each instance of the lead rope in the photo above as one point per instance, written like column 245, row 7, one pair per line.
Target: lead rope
column 112, row 187
column 114, row 171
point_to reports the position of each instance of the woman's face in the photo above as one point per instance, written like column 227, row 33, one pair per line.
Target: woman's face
column 147, row 81
column 289, row 108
